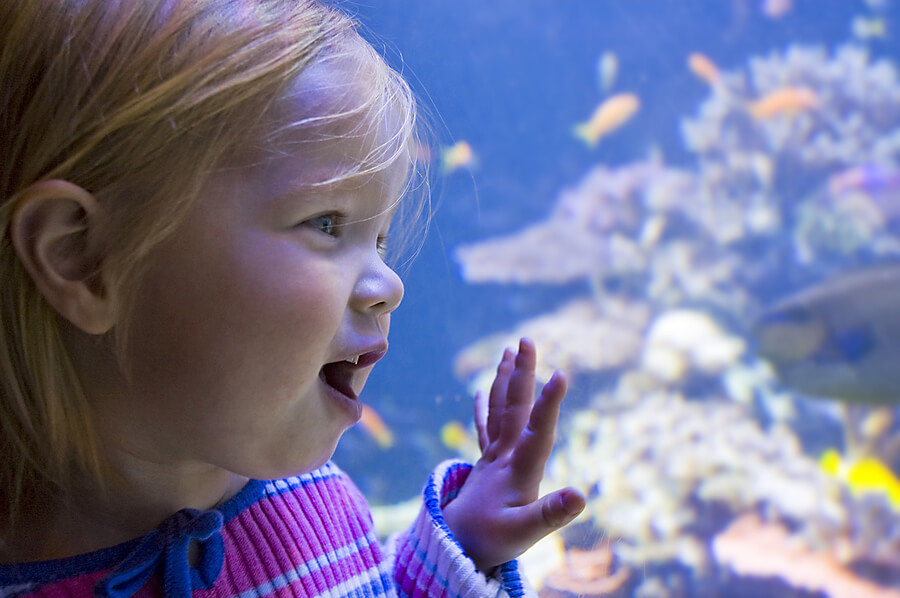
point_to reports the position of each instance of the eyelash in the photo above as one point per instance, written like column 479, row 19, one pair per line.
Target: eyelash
column 334, row 223
column 381, row 246
column 381, row 243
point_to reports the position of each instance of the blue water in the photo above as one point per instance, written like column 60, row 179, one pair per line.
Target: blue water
column 512, row 77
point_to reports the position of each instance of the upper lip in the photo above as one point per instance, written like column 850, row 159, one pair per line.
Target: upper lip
column 340, row 375
column 369, row 355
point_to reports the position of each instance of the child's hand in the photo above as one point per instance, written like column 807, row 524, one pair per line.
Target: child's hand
column 497, row 515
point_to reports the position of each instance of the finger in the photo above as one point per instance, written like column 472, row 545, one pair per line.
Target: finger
column 546, row 515
column 559, row 508
column 481, row 418
column 519, row 396
column 536, row 441
column 497, row 401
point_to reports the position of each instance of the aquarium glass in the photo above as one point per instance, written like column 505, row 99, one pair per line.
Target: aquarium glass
column 693, row 208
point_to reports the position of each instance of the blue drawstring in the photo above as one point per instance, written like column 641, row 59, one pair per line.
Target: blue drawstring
column 166, row 548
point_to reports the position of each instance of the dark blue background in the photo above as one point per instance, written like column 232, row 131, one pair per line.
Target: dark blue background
column 512, row 77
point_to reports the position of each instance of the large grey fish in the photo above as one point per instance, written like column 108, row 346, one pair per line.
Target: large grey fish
column 839, row 339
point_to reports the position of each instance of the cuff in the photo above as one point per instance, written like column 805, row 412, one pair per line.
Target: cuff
column 430, row 562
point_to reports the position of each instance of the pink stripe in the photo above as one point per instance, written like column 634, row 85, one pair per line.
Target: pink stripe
column 251, row 561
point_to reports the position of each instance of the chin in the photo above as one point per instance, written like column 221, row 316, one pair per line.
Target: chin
column 308, row 464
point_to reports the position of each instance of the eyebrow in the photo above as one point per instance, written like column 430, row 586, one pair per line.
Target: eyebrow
column 311, row 191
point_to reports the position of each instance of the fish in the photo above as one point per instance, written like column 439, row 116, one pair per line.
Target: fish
column 704, row 68
column 461, row 439
column 785, row 101
column 375, row 426
column 870, row 177
column 776, row 9
column 873, row 186
column 866, row 28
column 459, row 155
column 863, row 475
column 607, row 69
column 839, row 339
column 454, row 435
column 607, row 117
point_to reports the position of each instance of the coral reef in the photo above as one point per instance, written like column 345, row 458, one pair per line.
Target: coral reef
column 587, row 233
column 586, row 573
column 854, row 121
column 667, row 473
column 582, row 336
column 751, row 548
column 682, row 339
column 795, row 180
column 757, row 176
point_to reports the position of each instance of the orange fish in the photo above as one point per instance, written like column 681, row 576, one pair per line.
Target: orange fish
column 376, row 428
column 459, row 155
column 704, row 68
column 787, row 100
column 609, row 116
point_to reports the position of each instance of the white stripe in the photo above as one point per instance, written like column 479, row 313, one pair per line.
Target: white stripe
column 15, row 590
column 325, row 472
column 323, row 560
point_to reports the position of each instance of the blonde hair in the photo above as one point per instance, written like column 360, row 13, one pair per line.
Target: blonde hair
column 138, row 103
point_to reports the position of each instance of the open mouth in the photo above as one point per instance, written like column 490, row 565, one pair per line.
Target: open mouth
column 339, row 376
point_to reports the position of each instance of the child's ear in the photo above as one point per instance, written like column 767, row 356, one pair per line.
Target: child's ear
column 55, row 232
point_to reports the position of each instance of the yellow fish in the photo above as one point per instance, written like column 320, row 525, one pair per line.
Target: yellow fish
column 867, row 475
column 454, row 435
column 787, row 100
column 609, row 116
column 461, row 439
column 459, row 155
column 376, row 428
column 869, row 28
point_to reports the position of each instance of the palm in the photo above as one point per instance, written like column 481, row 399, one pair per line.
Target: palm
column 497, row 514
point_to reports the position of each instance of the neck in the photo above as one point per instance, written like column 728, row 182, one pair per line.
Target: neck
column 140, row 497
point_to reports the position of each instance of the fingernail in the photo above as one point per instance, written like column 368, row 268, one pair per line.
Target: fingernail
column 572, row 502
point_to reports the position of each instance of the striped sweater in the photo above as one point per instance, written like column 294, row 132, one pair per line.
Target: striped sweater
column 310, row 535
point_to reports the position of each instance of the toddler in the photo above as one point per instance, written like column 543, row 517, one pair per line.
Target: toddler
column 196, row 200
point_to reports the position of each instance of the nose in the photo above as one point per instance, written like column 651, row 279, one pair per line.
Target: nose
column 378, row 290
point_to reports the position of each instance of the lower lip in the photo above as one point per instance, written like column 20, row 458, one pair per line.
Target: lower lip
column 351, row 405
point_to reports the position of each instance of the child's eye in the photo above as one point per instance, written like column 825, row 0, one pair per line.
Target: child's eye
column 382, row 246
column 325, row 223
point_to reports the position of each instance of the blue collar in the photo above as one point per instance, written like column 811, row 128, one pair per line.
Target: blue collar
column 167, row 547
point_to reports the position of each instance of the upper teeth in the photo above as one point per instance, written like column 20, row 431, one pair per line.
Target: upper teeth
column 354, row 360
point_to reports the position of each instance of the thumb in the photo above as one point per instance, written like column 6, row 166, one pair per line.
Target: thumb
column 561, row 507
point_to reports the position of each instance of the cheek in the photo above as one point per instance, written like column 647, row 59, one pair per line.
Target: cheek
column 233, row 318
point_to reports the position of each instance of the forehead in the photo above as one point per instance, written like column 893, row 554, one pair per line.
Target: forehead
column 335, row 127
column 342, row 110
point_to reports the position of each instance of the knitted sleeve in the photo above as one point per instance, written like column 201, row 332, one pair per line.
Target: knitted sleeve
column 429, row 562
